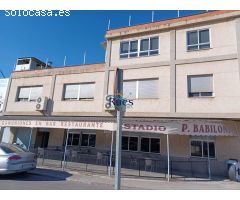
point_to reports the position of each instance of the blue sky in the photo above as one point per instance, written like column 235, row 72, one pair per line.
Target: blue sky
column 56, row 37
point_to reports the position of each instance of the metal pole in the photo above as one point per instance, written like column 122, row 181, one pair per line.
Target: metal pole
column 118, row 150
column 110, row 160
column 109, row 23
column 65, row 149
column 209, row 164
column 129, row 20
column 168, row 158
column 30, row 139
column 64, row 62
column 152, row 16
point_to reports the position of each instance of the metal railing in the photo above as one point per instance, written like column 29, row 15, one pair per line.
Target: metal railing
column 131, row 165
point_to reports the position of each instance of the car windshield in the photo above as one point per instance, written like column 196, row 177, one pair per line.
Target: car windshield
column 11, row 149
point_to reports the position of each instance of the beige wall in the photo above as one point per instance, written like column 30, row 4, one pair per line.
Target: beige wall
column 226, row 87
column 56, row 137
column 222, row 40
column 228, row 147
column 164, row 55
column 162, row 104
column 27, row 107
column 82, row 105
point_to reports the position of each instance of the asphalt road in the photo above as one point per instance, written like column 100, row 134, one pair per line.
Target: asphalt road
column 52, row 179
column 41, row 182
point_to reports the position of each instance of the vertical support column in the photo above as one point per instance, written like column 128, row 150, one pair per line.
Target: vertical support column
column 107, row 72
column 1, row 133
column 172, row 71
column 7, row 95
column 209, row 163
column 118, row 151
column 111, row 153
column 30, row 139
column 238, row 43
column 50, row 102
column 65, row 150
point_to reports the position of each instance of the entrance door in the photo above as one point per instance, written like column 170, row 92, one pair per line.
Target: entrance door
column 42, row 139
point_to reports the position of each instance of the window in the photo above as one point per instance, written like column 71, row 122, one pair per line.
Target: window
column 149, row 46
column 150, row 145
column 200, row 85
column 79, row 91
column 29, row 93
column 88, row 140
column 199, row 148
column 23, row 62
column 140, row 47
column 140, row 89
column 78, row 139
column 129, row 49
column 129, row 143
column 198, row 39
column 73, row 139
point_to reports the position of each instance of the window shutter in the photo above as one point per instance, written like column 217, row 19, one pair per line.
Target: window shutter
column 35, row 93
column 129, row 89
column 148, row 89
column 71, row 91
column 24, row 93
column 87, row 91
column 201, row 84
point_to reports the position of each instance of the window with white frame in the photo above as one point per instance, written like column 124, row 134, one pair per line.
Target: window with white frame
column 200, row 85
column 150, row 145
column 129, row 143
column 29, row 93
column 141, row 89
column 79, row 91
column 141, row 47
column 199, row 148
column 198, row 39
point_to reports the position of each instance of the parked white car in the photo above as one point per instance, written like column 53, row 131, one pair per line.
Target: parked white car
column 14, row 159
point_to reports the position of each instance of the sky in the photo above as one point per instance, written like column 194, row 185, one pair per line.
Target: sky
column 70, row 36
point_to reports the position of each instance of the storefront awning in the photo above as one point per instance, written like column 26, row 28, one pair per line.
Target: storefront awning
column 180, row 126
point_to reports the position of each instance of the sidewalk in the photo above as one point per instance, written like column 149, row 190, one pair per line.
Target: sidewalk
column 138, row 183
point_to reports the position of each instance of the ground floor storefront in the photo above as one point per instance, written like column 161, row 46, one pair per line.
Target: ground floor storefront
column 197, row 147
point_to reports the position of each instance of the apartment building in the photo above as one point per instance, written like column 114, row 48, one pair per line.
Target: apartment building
column 181, row 74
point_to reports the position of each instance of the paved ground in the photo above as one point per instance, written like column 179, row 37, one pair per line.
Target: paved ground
column 50, row 179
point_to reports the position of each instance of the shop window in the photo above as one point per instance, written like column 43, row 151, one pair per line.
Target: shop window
column 141, row 47
column 29, row 93
column 150, row 145
column 198, row 39
column 141, row 89
column 88, row 140
column 199, row 148
column 129, row 143
column 73, row 139
column 79, row 91
column 200, row 85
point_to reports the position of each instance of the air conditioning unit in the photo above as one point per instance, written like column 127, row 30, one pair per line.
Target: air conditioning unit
column 41, row 103
column 108, row 104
